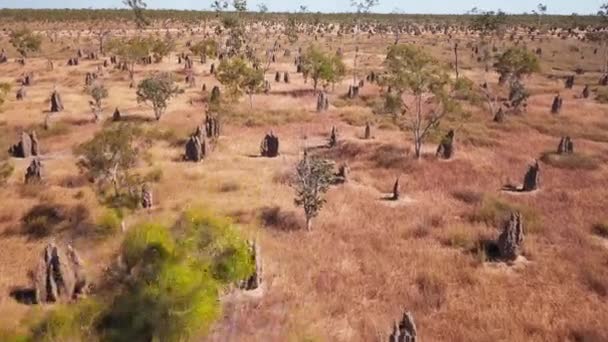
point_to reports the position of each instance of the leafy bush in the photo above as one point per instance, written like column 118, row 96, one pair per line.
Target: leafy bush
column 109, row 222
column 145, row 238
column 171, row 292
column 73, row 322
column 216, row 242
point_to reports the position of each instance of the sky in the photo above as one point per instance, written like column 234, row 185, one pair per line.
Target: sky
column 385, row 6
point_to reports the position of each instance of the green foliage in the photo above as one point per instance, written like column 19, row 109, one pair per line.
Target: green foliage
column 158, row 90
column 207, row 47
column 291, row 30
column 489, row 22
column 109, row 222
column 411, row 69
column 145, row 242
column 70, row 322
column 313, row 178
column 138, row 7
column 110, row 154
column 517, row 62
column 238, row 77
column 214, row 241
column 98, row 92
column 321, row 66
column 25, row 42
column 160, row 48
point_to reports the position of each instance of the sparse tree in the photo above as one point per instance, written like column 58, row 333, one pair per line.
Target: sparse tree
column 157, row 91
column 207, row 47
column 541, row 10
column 110, row 155
column 513, row 65
column 262, row 8
column 130, row 51
column 414, row 74
column 516, row 62
column 362, row 7
column 138, row 7
column 25, row 41
column 321, row 66
column 313, row 178
column 161, row 48
column 238, row 77
column 98, row 93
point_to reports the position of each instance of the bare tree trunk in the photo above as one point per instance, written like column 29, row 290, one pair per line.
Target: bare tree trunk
column 308, row 223
column 417, row 125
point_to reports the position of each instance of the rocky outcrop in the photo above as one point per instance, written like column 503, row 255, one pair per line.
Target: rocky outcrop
column 195, row 148
column 333, row 137
column 532, row 177
column 556, row 106
column 404, row 330
column 446, row 146
column 269, row 146
column 33, row 174
column 255, row 280
column 566, row 146
column 146, row 197
column 26, row 147
column 56, row 104
column 212, row 126
column 511, row 239
column 60, row 276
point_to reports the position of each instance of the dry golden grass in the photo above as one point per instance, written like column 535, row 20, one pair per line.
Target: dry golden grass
column 366, row 260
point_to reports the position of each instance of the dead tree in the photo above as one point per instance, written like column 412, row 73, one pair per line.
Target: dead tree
column 396, row 190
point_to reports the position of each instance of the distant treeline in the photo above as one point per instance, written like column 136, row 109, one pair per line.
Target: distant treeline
column 57, row 15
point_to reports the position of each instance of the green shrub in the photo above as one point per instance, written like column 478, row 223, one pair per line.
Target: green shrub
column 217, row 242
column 494, row 212
column 175, row 301
column 73, row 322
column 109, row 222
column 146, row 238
